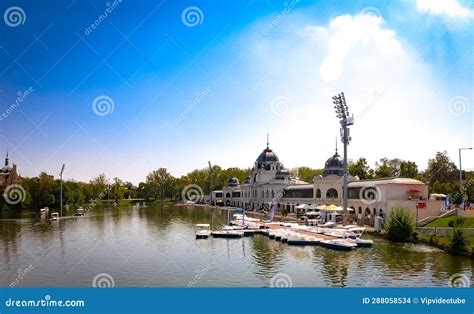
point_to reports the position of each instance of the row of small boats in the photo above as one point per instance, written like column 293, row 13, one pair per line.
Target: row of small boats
column 296, row 238
column 346, row 240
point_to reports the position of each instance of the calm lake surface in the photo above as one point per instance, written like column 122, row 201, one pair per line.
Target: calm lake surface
column 155, row 247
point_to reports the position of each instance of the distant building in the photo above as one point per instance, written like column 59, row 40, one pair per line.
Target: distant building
column 9, row 174
column 270, row 182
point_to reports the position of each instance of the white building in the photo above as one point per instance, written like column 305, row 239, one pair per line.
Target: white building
column 270, row 182
column 265, row 185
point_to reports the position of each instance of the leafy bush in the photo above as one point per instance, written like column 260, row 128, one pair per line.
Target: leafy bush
column 458, row 241
column 457, row 222
column 400, row 225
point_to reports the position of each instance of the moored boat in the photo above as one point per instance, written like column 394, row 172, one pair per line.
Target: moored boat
column 303, row 240
column 339, row 244
column 231, row 234
column 79, row 212
column 54, row 216
column 204, row 232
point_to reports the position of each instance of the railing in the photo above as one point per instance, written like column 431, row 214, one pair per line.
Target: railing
column 442, row 231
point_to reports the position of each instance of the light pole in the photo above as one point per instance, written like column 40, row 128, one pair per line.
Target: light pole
column 61, row 190
column 210, row 183
column 342, row 112
column 460, row 170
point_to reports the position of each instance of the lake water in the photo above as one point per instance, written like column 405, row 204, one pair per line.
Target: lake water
column 155, row 247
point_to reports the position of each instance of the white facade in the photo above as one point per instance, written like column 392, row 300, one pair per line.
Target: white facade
column 264, row 186
column 269, row 182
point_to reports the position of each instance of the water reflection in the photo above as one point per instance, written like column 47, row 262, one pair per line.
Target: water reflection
column 155, row 246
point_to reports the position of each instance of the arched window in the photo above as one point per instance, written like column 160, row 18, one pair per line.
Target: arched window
column 227, row 195
column 273, row 194
column 318, row 193
column 381, row 212
column 267, row 193
column 375, row 211
column 255, row 178
column 360, row 210
column 331, row 193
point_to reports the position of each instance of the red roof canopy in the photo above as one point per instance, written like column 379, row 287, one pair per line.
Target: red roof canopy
column 413, row 191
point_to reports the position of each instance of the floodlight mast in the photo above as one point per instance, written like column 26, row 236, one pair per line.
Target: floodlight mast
column 342, row 113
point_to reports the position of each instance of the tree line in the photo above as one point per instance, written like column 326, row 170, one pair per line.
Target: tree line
column 441, row 175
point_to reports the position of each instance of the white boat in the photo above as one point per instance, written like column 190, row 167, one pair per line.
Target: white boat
column 302, row 239
column 55, row 216
column 231, row 234
column 339, row 244
column 79, row 212
column 328, row 224
column 354, row 234
column 337, row 233
column 204, row 231
column 227, row 228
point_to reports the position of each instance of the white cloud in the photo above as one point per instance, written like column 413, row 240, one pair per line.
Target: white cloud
column 449, row 8
column 400, row 107
column 347, row 33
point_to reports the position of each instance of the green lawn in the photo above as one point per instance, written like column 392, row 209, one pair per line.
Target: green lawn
column 443, row 222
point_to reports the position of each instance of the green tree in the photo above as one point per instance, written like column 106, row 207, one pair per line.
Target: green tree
column 160, row 182
column 361, row 169
column 307, row 174
column 42, row 189
column 441, row 169
column 99, row 186
column 385, row 168
column 408, row 169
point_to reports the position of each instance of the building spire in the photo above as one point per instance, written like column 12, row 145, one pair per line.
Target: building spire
column 6, row 160
column 336, row 145
column 268, row 141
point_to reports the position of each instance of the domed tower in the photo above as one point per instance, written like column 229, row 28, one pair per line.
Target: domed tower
column 334, row 166
column 233, row 182
column 266, row 158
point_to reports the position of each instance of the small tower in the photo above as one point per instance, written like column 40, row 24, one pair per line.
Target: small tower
column 6, row 160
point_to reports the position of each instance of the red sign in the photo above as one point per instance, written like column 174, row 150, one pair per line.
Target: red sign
column 421, row 205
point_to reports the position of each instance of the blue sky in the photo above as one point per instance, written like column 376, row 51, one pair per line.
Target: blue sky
column 187, row 91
